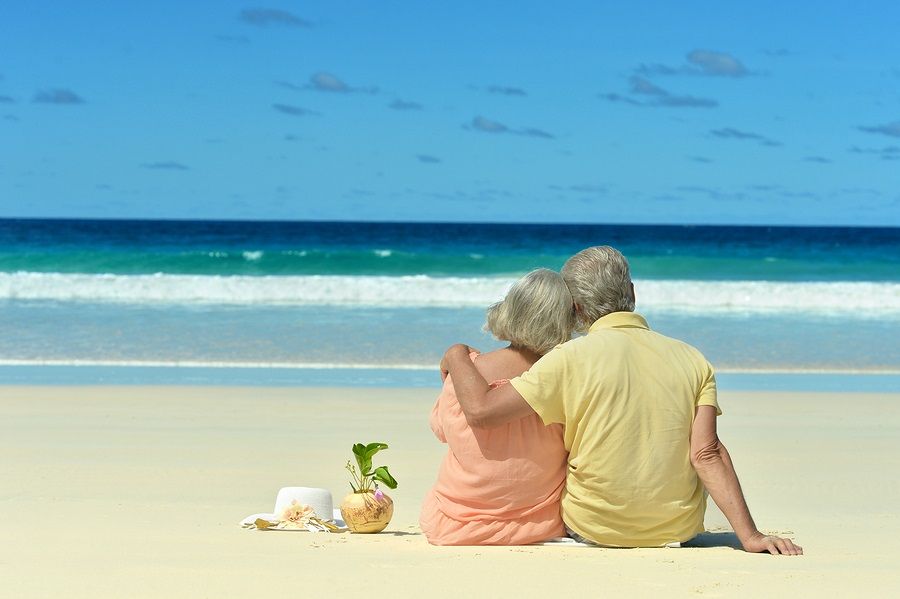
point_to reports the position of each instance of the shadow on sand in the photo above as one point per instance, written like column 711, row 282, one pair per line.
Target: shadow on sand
column 714, row 539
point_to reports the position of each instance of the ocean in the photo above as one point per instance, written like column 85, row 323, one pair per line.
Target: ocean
column 333, row 303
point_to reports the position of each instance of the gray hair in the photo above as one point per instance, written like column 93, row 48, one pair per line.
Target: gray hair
column 536, row 314
column 600, row 283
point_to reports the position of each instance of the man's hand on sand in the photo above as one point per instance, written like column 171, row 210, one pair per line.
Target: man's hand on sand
column 462, row 348
column 760, row 543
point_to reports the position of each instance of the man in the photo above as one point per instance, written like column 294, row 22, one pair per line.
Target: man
column 639, row 411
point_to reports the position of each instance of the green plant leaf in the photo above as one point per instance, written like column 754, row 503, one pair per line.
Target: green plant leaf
column 364, row 455
column 363, row 459
column 382, row 475
column 373, row 448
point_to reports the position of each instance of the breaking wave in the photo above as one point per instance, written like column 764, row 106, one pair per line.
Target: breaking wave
column 856, row 299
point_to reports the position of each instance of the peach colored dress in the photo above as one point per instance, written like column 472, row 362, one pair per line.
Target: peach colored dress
column 498, row 486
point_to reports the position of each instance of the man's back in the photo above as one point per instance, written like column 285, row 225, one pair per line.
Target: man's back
column 627, row 397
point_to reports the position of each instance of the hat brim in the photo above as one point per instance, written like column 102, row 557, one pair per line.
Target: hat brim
column 335, row 517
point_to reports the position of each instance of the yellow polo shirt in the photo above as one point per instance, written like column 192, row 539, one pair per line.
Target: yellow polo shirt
column 626, row 396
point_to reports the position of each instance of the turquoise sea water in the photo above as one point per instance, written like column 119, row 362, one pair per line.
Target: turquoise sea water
column 440, row 249
column 382, row 301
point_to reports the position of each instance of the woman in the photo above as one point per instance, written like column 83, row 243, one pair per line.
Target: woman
column 502, row 486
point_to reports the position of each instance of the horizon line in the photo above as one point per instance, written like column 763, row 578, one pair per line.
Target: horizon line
column 435, row 222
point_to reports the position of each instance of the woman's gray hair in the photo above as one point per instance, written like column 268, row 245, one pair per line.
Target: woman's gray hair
column 536, row 314
column 600, row 283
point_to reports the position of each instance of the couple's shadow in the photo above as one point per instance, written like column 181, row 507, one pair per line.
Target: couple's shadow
column 702, row 541
column 714, row 539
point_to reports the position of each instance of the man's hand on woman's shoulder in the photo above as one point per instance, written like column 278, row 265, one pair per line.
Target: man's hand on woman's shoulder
column 457, row 350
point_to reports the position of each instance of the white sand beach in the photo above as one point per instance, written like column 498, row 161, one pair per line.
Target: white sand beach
column 137, row 492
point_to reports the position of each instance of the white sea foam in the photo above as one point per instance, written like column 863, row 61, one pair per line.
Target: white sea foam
column 850, row 299
column 429, row 367
column 856, row 299
column 214, row 364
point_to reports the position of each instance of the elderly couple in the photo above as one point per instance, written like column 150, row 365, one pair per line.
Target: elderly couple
column 609, row 438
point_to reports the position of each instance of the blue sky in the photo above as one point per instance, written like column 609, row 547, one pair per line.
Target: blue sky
column 645, row 112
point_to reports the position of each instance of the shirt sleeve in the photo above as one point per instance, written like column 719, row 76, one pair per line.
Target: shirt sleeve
column 542, row 386
column 708, row 395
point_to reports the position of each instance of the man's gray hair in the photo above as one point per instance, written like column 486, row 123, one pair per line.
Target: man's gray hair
column 536, row 314
column 600, row 283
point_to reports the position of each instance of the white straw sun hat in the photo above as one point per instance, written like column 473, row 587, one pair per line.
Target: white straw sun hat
column 319, row 500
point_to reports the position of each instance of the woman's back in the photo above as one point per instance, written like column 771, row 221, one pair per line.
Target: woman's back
column 498, row 486
column 502, row 486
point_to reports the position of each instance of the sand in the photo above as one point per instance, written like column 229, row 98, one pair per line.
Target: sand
column 137, row 492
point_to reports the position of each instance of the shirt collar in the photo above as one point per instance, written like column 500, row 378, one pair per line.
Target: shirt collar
column 616, row 320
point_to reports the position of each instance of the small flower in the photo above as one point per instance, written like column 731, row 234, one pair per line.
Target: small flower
column 378, row 495
column 297, row 513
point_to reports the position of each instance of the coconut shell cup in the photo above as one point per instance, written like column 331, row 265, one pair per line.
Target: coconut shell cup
column 364, row 513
